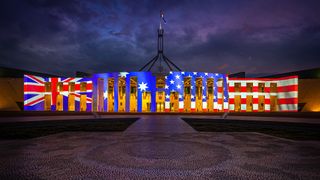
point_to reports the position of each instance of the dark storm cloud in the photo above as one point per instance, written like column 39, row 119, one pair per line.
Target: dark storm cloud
column 258, row 37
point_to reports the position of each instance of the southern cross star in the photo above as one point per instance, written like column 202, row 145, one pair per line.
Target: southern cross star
column 143, row 86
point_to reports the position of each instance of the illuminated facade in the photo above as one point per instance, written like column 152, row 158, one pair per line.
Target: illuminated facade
column 175, row 92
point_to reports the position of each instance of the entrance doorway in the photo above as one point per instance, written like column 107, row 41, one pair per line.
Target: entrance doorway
column 187, row 94
column 174, row 102
column 110, row 95
column 198, row 95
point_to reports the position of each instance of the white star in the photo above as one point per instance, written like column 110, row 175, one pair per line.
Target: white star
column 172, row 81
column 180, row 96
column 216, row 74
column 170, row 72
column 105, row 95
column 194, row 73
column 191, row 87
column 166, row 87
column 203, row 97
column 202, row 87
column 192, row 96
column 166, row 77
column 206, row 74
column 143, row 86
column 182, row 72
column 214, row 97
column 123, row 74
column 177, row 77
column 189, row 75
column 224, row 98
column 178, row 86
column 167, row 96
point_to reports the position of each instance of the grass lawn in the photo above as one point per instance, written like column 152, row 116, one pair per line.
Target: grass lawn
column 296, row 131
column 25, row 130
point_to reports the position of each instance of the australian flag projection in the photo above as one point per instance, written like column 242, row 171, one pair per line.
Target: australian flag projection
column 145, row 83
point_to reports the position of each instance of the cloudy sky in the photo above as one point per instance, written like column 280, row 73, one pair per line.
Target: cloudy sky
column 64, row 36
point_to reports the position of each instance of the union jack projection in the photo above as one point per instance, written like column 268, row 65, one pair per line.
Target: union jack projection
column 175, row 92
column 55, row 93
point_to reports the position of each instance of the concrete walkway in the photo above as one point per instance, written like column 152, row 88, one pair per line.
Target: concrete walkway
column 168, row 124
column 260, row 118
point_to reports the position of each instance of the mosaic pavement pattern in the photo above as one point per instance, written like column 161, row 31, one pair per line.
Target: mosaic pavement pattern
column 151, row 155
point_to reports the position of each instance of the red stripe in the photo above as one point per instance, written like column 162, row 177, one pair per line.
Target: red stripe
column 255, row 89
column 231, row 89
column 266, row 101
column 267, row 89
column 231, row 101
column 65, row 87
column 255, row 100
column 243, row 101
column 35, row 101
column 33, row 88
column 288, row 101
column 264, row 79
column 288, row 88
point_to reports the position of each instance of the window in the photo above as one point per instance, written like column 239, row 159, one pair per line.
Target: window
column 273, row 87
column 47, row 86
column 83, row 86
column 237, row 87
column 71, row 87
column 261, row 87
column 249, row 87
column 60, row 87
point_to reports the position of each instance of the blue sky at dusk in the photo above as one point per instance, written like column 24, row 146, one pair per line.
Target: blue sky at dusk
column 61, row 37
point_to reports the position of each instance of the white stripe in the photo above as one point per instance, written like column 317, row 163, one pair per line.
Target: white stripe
column 231, row 107
column 288, row 107
column 225, row 105
column 255, row 106
column 204, row 105
column 33, row 99
column 267, row 84
column 32, row 92
column 33, row 84
column 243, row 107
column 292, row 94
column 231, row 84
column 267, row 107
column 181, row 104
column 215, row 105
column 193, row 105
column 167, row 105
column 288, row 82
column 231, row 95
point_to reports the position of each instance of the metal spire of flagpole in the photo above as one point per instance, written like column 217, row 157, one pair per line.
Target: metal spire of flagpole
column 160, row 55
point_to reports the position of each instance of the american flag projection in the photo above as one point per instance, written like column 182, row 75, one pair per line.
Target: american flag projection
column 175, row 92
column 175, row 83
column 55, row 93
column 263, row 94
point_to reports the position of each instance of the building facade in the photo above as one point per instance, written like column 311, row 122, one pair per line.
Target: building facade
column 174, row 92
